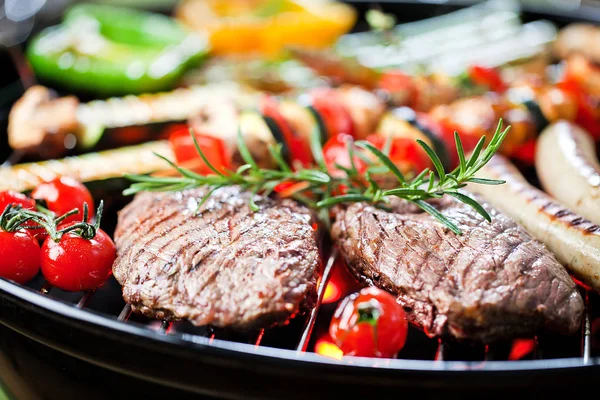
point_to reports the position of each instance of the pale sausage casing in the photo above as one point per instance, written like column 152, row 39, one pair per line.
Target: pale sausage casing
column 568, row 169
column 574, row 240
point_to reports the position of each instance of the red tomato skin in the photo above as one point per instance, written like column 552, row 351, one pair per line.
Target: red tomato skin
column 185, row 151
column 11, row 197
column 400, row 85
column 20, row 259
column 299, row 149
column 64, row 194
column 335, row 151
column 335, row 116
column 489, row 77
column 359, row 338
column 76, row 264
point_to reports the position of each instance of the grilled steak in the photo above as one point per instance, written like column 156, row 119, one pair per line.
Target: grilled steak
column 224, row 266
column 492, row 282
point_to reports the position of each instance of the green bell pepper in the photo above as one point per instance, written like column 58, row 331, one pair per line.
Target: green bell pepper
column 109, row 51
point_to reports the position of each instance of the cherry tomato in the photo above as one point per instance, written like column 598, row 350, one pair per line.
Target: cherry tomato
column 401, row 87
column 64, row 194
column 10, row 197
column 187, row 156
column 76, row 264
column 335, row 116
column 20, row 259
column 489, row 77
column 369, row 324
column 335, row 151
column 299, row 148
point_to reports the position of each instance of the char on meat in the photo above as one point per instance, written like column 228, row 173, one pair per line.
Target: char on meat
column 224, row 266
column 492, row 282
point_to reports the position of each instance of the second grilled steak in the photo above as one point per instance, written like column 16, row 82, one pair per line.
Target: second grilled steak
column 225, row 266
column 492, row 282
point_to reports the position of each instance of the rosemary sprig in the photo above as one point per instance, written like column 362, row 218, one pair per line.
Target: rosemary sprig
column 324, row 188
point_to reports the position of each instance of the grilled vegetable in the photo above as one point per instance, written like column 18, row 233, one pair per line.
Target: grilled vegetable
column 574, row 240
column 568, row 168
column 266, row 26
column 185, row 151
column 111, row 50
column 90, row 167
column 369, row 324
column 37, row 120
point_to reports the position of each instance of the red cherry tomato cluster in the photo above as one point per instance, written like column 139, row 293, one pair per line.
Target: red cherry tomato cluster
column 74, row 255
column 369, row 324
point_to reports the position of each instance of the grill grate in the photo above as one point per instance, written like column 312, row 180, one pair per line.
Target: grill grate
column 302, row 333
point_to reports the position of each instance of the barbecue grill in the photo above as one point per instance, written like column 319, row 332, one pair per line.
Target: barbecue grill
column 70, row 345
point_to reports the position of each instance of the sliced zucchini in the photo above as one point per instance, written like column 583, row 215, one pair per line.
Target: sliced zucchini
column 89, row 135
column 258, row 137
column 278, row 135
column 402, row 123
column 320, row 123
column 301, row 120
column 539, row 119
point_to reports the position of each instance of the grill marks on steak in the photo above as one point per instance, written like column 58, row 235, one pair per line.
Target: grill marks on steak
column 492, row 282
column 225, row 266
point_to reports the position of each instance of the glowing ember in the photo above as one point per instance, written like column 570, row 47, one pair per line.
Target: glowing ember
column 520, row 348
column 328, row 349
column 332, row 293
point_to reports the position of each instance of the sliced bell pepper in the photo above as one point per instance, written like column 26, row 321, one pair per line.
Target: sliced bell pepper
column 109, row 50
column 267, row 26
column 187, row 156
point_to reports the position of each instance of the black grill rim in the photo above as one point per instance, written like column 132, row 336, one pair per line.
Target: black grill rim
column 13, row 296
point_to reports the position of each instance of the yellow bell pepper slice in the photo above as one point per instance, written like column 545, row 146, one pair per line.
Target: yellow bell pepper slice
column 266, row 27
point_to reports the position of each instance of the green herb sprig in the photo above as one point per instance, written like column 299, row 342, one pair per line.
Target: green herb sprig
column 324, row 188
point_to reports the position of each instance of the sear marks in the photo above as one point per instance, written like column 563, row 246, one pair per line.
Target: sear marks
column 225, row 266
column 492, row 282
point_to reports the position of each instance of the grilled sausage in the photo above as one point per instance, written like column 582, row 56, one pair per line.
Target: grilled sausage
column 574, row 240
column 568, row 169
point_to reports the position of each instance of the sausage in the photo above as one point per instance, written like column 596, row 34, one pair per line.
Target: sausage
column 568, row 169
column 574, row 240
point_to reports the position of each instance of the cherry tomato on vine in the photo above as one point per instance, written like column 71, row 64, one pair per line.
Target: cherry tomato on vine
column 186, row 154
column 335, row 116
column 369, row 324
column 64, row 194
column 77, row 264
column 20, row 259
column 11, row 197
